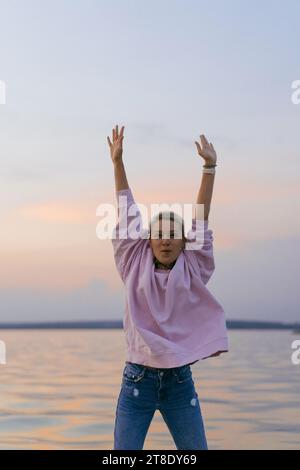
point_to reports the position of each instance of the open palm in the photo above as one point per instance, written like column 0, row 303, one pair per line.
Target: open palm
column 206, row 150
column 116, row 146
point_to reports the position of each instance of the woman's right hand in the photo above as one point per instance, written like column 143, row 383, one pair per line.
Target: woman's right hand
column 116, row 149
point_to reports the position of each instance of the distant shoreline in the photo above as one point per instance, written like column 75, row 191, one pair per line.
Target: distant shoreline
column 118, row 324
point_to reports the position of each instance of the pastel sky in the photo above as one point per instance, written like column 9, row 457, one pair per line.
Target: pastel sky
column 168, row 71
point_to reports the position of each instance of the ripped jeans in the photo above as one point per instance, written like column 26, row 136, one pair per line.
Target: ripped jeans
column 172, row 392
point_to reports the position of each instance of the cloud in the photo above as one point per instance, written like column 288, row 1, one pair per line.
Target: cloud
column 56, row 212
column 95, row 301
column 261, row 281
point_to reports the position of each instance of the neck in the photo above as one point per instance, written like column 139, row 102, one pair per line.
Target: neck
column 160, row 265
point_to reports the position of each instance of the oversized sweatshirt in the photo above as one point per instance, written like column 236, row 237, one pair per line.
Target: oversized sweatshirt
column 170, row 317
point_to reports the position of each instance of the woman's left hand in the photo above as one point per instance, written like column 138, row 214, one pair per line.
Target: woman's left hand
column 206, row 150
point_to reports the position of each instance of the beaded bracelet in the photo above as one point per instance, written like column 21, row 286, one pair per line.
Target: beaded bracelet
column 209, row 170
column 210, row 166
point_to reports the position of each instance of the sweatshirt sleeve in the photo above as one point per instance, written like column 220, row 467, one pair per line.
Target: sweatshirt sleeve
column 128, row 233
column 202, row 251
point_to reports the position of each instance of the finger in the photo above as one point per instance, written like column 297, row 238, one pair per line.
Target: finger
column 113, row 135
column 117, row 131
column 198, row 148
column 122, row 131
column 204, row 139
column 109, row 142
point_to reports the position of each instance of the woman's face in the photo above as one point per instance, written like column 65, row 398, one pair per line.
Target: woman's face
column 166, row 250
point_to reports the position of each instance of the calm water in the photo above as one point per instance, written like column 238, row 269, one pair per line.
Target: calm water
column 59, row 390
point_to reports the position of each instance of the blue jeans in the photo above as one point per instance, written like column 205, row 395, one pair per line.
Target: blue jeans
column 172, row 392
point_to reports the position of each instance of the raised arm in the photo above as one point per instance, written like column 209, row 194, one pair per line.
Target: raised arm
column 207, row 152
column 126, row 248
column 204, row 256
column 116, row 153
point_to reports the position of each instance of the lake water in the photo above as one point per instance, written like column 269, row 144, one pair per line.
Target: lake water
column 59, row 390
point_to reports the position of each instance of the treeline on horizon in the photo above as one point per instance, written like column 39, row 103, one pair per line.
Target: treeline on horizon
column 117, row 324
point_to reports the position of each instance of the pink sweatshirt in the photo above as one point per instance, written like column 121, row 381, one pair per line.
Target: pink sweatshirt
column 171, row 318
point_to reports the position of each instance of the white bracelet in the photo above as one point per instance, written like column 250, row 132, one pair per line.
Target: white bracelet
column 209, row 170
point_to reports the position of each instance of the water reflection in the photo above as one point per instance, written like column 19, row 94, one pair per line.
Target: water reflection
column 59, row 389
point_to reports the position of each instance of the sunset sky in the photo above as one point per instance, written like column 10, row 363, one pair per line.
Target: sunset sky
column 167, row 71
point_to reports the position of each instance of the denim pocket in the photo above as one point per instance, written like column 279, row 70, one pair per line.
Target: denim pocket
column 183, row 373
column 133, row 372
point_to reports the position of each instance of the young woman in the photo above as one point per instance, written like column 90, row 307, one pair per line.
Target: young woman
column 171, row 319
